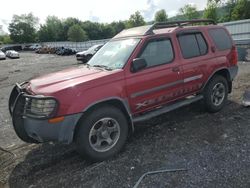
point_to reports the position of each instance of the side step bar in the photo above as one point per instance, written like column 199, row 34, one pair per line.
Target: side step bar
column 166, row 109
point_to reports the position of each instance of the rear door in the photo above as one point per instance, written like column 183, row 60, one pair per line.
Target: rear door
column 197, row 59
column 160, row 81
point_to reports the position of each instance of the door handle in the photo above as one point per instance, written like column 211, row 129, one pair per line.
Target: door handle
column 213, row 49
column 175, row 69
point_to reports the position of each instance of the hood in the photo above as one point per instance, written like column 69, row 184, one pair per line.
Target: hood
column 64, row 79
column 81, row 53
column 2, row 54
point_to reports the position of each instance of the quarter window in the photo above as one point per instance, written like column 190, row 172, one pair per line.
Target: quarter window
column 158, row 52
column 221, row 39
column 192, row 45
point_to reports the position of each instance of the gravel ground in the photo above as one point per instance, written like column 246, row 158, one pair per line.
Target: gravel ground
column 213, row 148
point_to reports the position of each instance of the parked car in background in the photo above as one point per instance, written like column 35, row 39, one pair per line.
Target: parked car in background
column 65, row 51
column 15, row 47
column 35, row 47
column 2, row 55
column 85, row 56
column 12, row 54
column 27, row 47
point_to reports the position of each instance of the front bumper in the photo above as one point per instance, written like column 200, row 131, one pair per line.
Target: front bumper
column 14, row 56
column 82, row 58
column 31, row 129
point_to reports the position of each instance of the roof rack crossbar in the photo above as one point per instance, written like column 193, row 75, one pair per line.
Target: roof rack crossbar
column 161, row 25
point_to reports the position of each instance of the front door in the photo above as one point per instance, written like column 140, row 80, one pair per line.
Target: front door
column 160, row 82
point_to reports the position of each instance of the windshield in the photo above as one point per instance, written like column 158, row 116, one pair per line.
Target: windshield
column 114, row 54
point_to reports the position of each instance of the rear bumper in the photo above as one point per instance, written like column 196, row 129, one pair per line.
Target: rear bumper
column 233, row 72
column 39, row 129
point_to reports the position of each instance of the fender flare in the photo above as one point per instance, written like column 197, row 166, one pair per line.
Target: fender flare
column 231, row 74
column 123, row 102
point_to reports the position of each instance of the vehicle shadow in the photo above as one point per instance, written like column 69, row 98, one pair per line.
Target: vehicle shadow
column 59, row 165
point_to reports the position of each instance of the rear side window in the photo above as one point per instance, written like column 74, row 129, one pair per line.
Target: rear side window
column 202, row 44
column 192, row 45
column 158, row 52
column 220, row 38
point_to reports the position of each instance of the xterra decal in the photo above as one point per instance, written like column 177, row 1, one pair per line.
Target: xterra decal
column 165, row 86
column 167, row 97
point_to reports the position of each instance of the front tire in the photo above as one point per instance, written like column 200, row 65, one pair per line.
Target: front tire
column 102, row 133
column 216, row 93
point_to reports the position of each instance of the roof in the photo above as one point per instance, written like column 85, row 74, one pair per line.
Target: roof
column 161, row 27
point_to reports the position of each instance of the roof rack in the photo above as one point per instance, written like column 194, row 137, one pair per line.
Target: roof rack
column 148, row 29
column 161, row 25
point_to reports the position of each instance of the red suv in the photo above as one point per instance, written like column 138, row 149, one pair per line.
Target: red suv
column 139, row 74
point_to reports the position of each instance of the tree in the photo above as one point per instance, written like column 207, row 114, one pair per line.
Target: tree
column 77, row 34
column 52, row 30
column 189, row 12
column 161, row 16
column 228, row 6
column 135, row 20
column 241, row 10
column 66, row 24
column 107, row 31
column 118, row 26
column 211, row 12
column 23, row 28
column 5, row 39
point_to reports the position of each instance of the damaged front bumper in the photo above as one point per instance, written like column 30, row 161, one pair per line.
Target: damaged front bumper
column 32, row 128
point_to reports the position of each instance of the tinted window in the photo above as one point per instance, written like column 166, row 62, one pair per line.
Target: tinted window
column 192, row 45
column 202, row 44
column 189, row 46
column 158, row 52
column 221, row 39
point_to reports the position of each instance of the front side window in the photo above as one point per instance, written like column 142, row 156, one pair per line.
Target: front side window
column 114, row 54
column 158, row 52
column 192, row 45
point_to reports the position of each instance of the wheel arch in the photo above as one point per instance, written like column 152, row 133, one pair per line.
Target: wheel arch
column 222, row 72
column 116, row 102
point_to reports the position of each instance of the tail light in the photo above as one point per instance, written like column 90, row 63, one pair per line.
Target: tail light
column 234, row 58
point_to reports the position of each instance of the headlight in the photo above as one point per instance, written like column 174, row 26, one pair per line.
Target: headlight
column 40, row 107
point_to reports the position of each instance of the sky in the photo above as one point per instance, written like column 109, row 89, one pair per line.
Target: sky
column 104, row 11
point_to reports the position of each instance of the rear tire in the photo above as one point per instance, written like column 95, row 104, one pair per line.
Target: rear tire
column 216, row 93
column 102, row 133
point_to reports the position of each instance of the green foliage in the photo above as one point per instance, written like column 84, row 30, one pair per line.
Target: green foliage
column 241, row 10
column 189, row 12
column 66, row 24
column 211, row 11
column 94, row 30
column 52, row 30
column 161, row 16
column 77, row 34
column 5, row 39
column 135, row 20
column 118, row 26
column 229, row 6
column 23, row 28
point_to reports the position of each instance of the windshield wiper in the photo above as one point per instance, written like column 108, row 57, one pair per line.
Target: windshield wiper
column 103, row 66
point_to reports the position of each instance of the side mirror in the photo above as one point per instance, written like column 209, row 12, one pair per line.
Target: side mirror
column 138, row 64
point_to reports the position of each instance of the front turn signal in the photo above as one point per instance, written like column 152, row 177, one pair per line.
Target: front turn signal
column 56, row 120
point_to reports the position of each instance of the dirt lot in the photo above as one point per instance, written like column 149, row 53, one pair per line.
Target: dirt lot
column 214, row 148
